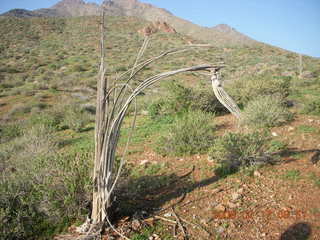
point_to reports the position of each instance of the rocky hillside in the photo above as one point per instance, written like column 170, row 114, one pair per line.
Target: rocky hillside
column 221, row 35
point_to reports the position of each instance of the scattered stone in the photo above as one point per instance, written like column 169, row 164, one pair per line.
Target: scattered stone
column 290, row 129
column 235, row 196
column 154, row 237
column 256, row 174
column 144, row 113
column 220, row 208
column 210, row 159
column 168, row 214
column 157, row 27
column 232, row 205
column 144, row 162
column 311, row 120
column 135, row 224
column 274, row 134
column 240, row 190
column 220, row 229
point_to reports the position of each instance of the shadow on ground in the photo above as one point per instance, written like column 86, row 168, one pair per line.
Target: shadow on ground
column 298, row 231
column 149, row 193
column 290, row 153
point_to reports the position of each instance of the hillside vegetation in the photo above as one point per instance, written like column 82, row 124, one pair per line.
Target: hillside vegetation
column 48, row 73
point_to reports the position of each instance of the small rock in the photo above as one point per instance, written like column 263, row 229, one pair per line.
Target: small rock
column 290, row 129
column 210, row 159
column 154, row 237
column 235, row 196
column 168, row 214
column 135, row 224
column 220, row 229
column 220, row 208
column 144, row 113
column 240, row 190
column 232, row 205
column 256, row 174
column 311, row 120
column 274, row 134
column 144, row 162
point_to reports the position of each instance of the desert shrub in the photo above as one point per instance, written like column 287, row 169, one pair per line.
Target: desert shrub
column 41, row 190
column 191, row 133
column 65, row 185
column 90, row 108
column 10, row 131
column 236, row 150
column 50, row 119
column 38, row 140
column 312, row 107
column 206, row 101
column 76, row 117
column 156, row 109
column 246, row 89
column 79, row 68
column 19, row 109
column 182, row 99
column 265, row 111
column 19, row 215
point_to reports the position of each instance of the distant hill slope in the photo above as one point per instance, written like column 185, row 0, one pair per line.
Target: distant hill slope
column 65, row 51
column 72, row 8
column 23, row 13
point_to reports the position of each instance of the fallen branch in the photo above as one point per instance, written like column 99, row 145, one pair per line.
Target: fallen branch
column 185, row 234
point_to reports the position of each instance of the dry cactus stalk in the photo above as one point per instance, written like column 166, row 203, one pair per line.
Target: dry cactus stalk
column 113, row 102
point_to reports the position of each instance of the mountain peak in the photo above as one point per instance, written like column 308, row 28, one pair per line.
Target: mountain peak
column 76, row 8
column 72, row 1
column 221, row 34
column 224, row 28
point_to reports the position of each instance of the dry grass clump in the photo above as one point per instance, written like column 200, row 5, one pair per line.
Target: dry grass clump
column 265, row 111
column 238, row 150
column 191, row 133
column 249, row 88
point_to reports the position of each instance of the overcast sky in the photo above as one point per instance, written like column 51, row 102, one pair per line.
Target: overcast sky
column 289, row 24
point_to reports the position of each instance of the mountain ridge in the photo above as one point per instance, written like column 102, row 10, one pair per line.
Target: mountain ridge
column 146, row 11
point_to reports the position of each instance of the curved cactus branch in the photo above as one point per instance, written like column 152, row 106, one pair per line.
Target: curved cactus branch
column 223, row 96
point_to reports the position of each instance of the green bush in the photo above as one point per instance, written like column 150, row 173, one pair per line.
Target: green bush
column 66, row 184
column 191, row 133
column 182, row 99
column 42, row 191
column 19, row 110
column 247, row 89
column 157, row 109
column 20, row 216
column 10, row 131
column 235, row 150
column 206, row 101
column 265, row 111
column 312, row 107
column 76, row 117
column 52, row 119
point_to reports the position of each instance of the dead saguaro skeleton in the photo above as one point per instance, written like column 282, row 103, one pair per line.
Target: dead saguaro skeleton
column 113, row 101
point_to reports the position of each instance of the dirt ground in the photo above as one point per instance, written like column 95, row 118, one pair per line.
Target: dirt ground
column 281, row 201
